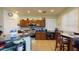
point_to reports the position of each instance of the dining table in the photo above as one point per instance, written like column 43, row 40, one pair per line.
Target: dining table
column 69, row 38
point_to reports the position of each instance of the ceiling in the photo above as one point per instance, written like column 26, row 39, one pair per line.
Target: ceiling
column 34, row 10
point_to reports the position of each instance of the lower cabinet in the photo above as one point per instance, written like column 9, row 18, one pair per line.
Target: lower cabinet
column 40, row 35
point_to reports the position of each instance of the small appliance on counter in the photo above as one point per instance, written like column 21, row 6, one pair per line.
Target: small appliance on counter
column 13, row 34
column 18, row 41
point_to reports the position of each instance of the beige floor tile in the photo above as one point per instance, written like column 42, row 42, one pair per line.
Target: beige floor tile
column 43, row 45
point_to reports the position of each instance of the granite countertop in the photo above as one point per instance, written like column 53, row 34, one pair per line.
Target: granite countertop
column 10, row 44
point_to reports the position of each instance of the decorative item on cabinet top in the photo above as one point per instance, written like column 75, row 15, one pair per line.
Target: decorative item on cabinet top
column 27, row 22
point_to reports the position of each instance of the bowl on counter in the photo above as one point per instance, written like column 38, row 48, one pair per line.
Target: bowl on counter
column 18, row 41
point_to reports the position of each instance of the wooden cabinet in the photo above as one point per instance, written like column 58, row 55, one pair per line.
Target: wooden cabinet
column 27, row 22
column 40, row 23
column 24, row 23
column 40, row 36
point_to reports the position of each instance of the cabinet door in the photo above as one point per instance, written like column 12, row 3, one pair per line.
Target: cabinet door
column 43, row 36
column 42, row 23
column 24, row 23
column 30, row 21
column 38, row 22
column 40, row 36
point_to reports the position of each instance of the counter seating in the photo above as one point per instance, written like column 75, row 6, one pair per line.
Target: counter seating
column 62, row 42
column 76, row 41
column 68, row 39
column 58, row 41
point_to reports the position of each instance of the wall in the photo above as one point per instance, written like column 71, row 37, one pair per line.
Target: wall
column 50, row 24
column 10, row 23
column 78, row 19
column 68, row 20
column 1, row 19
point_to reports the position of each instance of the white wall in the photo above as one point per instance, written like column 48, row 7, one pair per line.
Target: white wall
column 10, row 23
column 1, row 19
column 50, row 24
column 69, row 20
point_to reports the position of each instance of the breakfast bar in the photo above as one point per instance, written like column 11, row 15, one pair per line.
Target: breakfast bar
column 69, row 39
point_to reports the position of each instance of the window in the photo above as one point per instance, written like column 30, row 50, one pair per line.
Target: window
column 69, row 21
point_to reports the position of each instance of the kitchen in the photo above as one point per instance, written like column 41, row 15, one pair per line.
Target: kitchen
column 33, row 28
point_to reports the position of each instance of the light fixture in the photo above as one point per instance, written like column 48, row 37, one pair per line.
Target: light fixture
column 40, row 11
column 10, row 14
column 51, row 10
column 28, row 11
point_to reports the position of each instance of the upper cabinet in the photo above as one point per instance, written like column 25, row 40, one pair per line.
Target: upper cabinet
column 40, row 23
column 27, row 22
column 24, row 23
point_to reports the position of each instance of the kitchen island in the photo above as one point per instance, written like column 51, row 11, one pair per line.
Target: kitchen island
column 22, row 43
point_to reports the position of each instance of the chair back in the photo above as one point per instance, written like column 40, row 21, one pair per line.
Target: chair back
column 57, row 35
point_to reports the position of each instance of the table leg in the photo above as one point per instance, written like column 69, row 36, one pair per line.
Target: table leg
column 70, row 47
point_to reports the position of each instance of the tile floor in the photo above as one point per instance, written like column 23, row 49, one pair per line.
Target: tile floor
column 43, row 45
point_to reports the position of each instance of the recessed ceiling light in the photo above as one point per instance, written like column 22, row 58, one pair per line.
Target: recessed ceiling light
column 40, row 11
column 51, row 10
column 28, row 11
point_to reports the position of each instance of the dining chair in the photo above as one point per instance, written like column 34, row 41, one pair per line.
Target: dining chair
column 61, row 42
column 58, row 40
column 65, row 44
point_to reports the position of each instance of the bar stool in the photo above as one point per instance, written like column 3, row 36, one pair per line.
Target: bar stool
column 76, row 41
column 58, row 40
column 65, row 44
